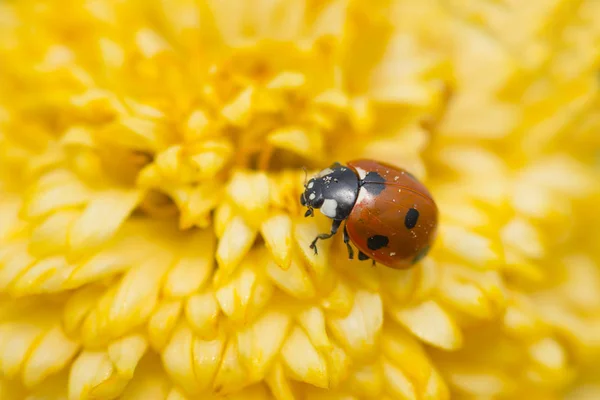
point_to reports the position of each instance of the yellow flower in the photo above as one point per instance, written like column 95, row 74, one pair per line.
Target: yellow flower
column 152, row 245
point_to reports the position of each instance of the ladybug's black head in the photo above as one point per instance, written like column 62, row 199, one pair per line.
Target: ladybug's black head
column 333, row 191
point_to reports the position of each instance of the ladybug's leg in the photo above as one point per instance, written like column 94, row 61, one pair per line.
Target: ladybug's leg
column 334, row 228
column 362, row 257
column 347, row 240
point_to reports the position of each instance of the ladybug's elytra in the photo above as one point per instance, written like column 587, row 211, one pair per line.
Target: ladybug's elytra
column 389, row 215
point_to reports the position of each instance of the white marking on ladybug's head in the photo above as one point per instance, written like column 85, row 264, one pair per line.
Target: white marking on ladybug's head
column 361, row 172
column 312, row 196
column 310, row 185
column 329, row 208
column 326, row 171
column 362, row 195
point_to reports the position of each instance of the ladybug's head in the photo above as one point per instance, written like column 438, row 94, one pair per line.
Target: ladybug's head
column 333, row 191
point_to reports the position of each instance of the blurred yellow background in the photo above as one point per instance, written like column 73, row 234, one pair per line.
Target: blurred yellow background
column 152, row 245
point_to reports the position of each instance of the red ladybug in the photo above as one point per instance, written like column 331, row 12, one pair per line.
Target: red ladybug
column 389, row 215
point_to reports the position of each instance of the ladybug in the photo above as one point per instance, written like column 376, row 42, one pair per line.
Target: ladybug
column 388, row 214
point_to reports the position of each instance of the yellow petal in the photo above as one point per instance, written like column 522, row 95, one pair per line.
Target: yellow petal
column 47, row 275
column 210, row 157
column 249, row 192
column 194, row 267
column 49, row 356
column 436, row 388
column 482, row 381
column 16, row 261
column 468, row 295
column 126, row 352
column 136, row 296
column 89, row 371
column 79, row 305
column 312, row 321
column 277, row 233
column 177, row 358
column 431, row 323
column 294, row 281
column 260, row 343
column 279, row 384
column 133, row 132
column 398, row 383
column 51, row 236
column 149, row 382
column 296, row 140
column 248, row 287
column 238, row 111
column 406, row 353
column 340, row 300
column 16, row 341
column 197, row 204
column 367, row 380
column 224, row 214
column 55, row 195
column 303, row 360
column 479, row 250
column 522, row 236
column 360, row 330
column 287, row 80
column 232, row 375
column 235, row 242
column 338, row 365
column 196, row 125
column 150, row 43
column 103, row 215
column 548, row 353
column 162, row 322
column 176, row 394
column 202, row 312
column 304, row 233
column 207, row 355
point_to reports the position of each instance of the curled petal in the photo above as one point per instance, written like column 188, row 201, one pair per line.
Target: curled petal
column 92, row 373
column 126, row 352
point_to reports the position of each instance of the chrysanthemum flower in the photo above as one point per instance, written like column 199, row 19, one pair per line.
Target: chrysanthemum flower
column 152, row 245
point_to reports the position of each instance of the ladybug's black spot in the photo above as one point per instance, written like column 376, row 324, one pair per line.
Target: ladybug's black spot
column 374, row 183
column 362, row 256
column 411, row 218
column 378, row 241
column 421, row 255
